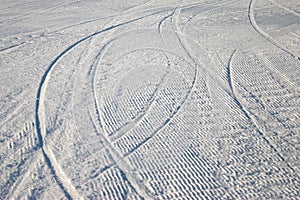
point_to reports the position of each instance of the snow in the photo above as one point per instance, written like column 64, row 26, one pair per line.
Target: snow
column 147, row 99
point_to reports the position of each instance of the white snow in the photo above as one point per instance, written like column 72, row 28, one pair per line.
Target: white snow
column 146, row 99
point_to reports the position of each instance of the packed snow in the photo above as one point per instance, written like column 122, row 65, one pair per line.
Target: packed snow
column 148, row 99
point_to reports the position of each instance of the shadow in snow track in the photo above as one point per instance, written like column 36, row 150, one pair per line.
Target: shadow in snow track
column 159, row 28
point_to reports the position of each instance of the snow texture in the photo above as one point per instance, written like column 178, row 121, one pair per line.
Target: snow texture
column 148, row 99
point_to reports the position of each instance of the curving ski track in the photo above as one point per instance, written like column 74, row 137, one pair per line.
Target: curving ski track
column 39, row 113
column 263, row 33
column 216, row 118
column 248, row 114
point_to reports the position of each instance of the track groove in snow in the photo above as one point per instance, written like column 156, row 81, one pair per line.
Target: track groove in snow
column 66, row 186
column 285, row 8
column 149, row 99
column 251, row 116
column 115, row 155
column 263, row 33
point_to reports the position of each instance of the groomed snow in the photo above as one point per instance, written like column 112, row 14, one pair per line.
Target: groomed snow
column 148, row 99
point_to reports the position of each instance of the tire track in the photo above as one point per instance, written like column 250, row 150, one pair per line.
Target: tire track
column 288, row 86
column 264, row 34
column 17, row 183
column 117, row 158
column 23, row 143
column 87, row 76
column 8, row 112
column 175, row 112
column 249, row 115
column 132, row 181
column 139, row 118
column 13, row 6
column 56, row 31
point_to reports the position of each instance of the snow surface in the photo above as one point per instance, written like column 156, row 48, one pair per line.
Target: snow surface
column 148, row 99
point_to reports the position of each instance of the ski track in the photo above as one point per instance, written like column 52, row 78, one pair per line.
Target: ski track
column 264, row 34
column 96, row 116
column 229, row 75
column 285, row 8
column 114, row 154
column 50, row 160
column 165, row 123
column 217, row 4
column 127, row 11
column 178, row 108
column 140, row 117
column 39, row 114
column 30, row 14
column 109, row 143
column 173, row 115
column 280, row 76
column 250, row 116
column 159, row 28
